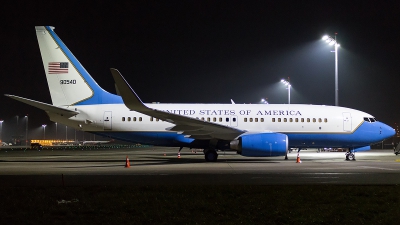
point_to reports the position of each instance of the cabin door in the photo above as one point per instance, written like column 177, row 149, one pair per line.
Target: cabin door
column 346, row 121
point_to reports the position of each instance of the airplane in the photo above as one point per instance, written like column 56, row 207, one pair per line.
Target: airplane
column 254, row 130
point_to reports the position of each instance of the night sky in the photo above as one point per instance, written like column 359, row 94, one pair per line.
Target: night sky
column 211, row 52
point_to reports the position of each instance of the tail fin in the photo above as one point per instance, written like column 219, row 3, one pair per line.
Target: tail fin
column 69, row 82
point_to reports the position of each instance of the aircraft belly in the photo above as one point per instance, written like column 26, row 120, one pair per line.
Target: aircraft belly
column 151, row 138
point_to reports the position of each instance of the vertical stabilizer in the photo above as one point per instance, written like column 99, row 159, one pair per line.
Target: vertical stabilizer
column 69, row 82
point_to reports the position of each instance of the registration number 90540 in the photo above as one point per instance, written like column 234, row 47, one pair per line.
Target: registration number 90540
column 67, row 81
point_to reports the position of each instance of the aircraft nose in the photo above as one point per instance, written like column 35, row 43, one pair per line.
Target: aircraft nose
column 387, row 131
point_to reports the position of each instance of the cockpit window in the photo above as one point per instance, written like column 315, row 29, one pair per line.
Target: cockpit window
column 370, row 119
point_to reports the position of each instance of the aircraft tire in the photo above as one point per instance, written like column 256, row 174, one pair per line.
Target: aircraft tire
column 211, row 155
column 350, row 156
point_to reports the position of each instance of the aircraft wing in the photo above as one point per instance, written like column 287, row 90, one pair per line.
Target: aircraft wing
column 192, row 127
column 44, row 106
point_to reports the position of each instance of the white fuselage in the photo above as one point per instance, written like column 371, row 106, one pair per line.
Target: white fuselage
column 251, row 117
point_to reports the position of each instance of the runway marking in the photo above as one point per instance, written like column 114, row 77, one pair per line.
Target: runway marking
column 373, row 167
column 397, row 160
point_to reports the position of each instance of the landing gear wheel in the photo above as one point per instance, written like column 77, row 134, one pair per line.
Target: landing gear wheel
column 210, row 155
column 350, row 156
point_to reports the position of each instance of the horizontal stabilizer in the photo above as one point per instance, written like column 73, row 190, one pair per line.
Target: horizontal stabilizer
column 44, row 106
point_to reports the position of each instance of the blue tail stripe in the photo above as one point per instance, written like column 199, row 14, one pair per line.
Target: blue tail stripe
column 100, row 95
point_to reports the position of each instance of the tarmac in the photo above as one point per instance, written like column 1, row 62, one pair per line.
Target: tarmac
column 161, row 166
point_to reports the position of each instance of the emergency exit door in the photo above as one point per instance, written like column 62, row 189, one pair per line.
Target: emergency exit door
column 107, row 120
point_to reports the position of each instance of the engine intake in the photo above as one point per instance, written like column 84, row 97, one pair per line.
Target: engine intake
column 261, row 145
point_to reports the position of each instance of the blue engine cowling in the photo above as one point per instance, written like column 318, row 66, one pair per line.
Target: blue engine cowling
column 261, row 145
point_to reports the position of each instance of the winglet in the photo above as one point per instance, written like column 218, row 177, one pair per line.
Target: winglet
column 130, row 98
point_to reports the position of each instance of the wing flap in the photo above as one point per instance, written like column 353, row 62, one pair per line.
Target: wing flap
column 184, row 128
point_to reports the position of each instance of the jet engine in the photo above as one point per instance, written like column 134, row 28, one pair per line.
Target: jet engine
column 261, row 144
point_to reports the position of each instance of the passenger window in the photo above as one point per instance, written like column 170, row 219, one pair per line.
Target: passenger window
column 291, row 120
column 255, row 119
column 273, row 120
column 202, row 118
column 208, row 119
column 227, row 119
column 314, row 120
column 134, row 118
column 319, row 120
column 245, row 119
column 234, row 119
column 123, row 118
column 151, row 118
column 296, row 120
column 214, row 119
column 129, row 119
column 220, row 119
column 262, row 119
column 251, row 119
column 279, row 120
column 308, row 120
column 140, row 118
column 157, row 120
column 302, row 120
column 325, row 120
column 285, row 120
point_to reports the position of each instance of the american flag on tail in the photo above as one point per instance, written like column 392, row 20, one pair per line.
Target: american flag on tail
column 58, row 67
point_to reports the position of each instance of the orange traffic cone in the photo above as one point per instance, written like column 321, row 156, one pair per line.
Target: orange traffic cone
column 127, row 164
column 179, row 155
column 298, row 159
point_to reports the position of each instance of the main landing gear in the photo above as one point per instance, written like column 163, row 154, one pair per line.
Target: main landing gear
column 210, row 155
column 350, row 155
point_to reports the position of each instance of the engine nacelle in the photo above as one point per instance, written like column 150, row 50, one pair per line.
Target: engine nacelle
column 261, row 145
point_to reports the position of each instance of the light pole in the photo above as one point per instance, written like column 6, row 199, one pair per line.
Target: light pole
column 44, row 131
column 332, row 41
column 287, row 83
column 26, row 131
column 66, row 133
column 56, row 130
column 1, row 129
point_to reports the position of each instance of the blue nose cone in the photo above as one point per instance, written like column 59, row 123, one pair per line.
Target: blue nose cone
column 387, row 131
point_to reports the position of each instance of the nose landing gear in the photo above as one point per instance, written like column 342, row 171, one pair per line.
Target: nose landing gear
column 350, row 155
